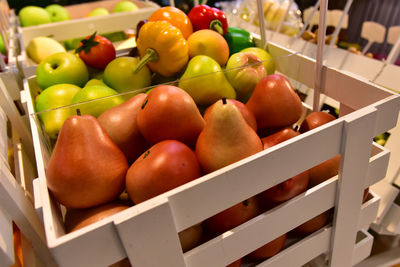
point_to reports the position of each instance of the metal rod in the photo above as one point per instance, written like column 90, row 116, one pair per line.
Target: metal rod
column 305, row 26
column 260, row 10
column 284, row 16
column 320, row 51
column 339, row 26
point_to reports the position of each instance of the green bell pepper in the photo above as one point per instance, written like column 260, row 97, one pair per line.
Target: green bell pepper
column 238, row 39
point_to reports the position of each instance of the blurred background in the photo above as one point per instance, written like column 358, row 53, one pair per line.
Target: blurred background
column 385, row 12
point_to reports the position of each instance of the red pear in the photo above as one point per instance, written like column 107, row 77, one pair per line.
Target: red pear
column 246, row 113
column 86, row 167
column 326, row 169
column 168, row 112
column 269, row 249
column 274, row 103
column 226, row 138
column 294, row 185
column 120, row 124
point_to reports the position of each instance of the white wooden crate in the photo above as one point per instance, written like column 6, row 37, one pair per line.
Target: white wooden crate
column 81, row 27
column 142, row 231
column 16, row 181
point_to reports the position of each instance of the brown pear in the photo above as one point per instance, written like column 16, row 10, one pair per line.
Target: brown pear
column 246, row 113
column 168, row 112
column 78, row 218
column 326, row 169
column 226, row 138
column 86, row 167
column 274, row 103
column 121, row 125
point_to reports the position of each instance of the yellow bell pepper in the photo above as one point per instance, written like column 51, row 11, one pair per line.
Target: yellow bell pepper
column 162, row 47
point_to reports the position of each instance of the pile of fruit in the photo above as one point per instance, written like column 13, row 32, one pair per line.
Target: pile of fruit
column 36, row 15
column 194, row 97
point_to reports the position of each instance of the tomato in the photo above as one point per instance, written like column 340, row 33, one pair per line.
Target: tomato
column 166, row 165
column 176, row 17
column 269, row 249
column 96, row 51
column 292, row 186
column 232, row 217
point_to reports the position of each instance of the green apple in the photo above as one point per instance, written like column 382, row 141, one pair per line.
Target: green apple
column 2, row 47
column 124, row 6
column 244, row 70
column 53, row 103
column 57, row 13
column 100, row 11
column 120, row 76
column 41, row 47
column 33, row 15
column 94, row 81
column 267, row 59
column 61, row 67
column 97, row 99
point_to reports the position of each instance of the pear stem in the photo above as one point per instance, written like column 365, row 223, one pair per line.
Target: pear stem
column 78, row 112
column 216, row 25
column 224, row 100
column 150, row 55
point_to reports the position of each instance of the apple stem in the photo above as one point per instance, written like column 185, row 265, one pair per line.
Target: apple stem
column 216, row 25
column 224, row 100
column 78, row 112
column 296, row 128
column 150, row 55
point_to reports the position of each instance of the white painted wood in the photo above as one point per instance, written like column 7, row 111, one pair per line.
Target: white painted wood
column 3, row 138
column 15, row 203
column 6, row 240
column 352, row 173
column 143, row 234
column 37, row 201
column 245, row 238
column 363, row 247
column 369, row 211
column 378, row 163
column 388, row 194
column 319, row 83
column 14, row 116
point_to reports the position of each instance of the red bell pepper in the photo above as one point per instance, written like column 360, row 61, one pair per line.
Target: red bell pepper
column 206, row 17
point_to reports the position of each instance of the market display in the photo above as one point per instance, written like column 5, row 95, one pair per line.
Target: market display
column 218, row 108
column 195, row 138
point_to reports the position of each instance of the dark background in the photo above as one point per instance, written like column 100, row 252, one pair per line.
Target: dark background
column 385, row 12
